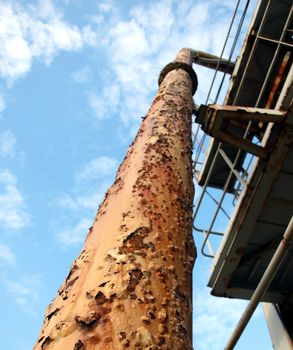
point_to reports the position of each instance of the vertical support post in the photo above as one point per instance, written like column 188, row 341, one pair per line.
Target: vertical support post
column 131, row 285
column 280, row 334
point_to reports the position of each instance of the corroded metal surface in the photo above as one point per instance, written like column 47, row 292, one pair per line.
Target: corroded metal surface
column 211, row 61
column 216, row 119
column 179, row 65
column 262, row 213
column 131, row 285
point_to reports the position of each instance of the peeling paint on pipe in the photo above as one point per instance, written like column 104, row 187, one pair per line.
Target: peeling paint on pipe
column 130, row 287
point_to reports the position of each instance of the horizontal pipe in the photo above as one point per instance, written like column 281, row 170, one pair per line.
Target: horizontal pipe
column 211, row 61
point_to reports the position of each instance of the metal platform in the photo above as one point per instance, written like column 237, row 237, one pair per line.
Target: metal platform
column 264, row 62
column 263, row 78
column 262, row 83
column 250, row 160
column 261, row 216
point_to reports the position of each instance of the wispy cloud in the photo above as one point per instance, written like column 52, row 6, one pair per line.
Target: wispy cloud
column 106, row 104
column 7, row 257
column 138, row 47
column 105, row 6
column 29, row 32
column 91, row 183
column 9, row 148
column 85, row 204
column 24, row 292
column 97, row 168
column 214, row 319
column 7, row 144
column 13, row 212
column 82, row 75
column 83, row 201
column 75, row 234
column 2, row 103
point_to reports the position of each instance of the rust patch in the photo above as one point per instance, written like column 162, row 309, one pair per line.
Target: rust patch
column 92, row 341
column 135, row 240
column 72, row 270
column 120, row 307
column 67, row 286
column 182, row 329
column 71, row 283
column 100, row 298
column 88, row 320
column 78, row 345
column 162, row 316
column 46, row 342
column 180, row 295
column 135, row 277
column 40, row 339
column 161, row 340
column 92, row 318
column 108, row 339
column 51, row 314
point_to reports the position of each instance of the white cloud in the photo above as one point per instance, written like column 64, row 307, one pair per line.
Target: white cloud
column 89, row 36
column 24, row 292
column 2, row 103
column 64, row 37
column 97, row 168
column 127, row 41
column 6, row 255
column 105, row 6
column 91, row 201
column 85, row 201
column 139, row 47
column 45, row 9
column 7, row 144
column 8, row 147
column 30, row 32
column 106, row 104
column 13, row 213
column 156, row 21
column 75, row 234
column 214, row 319
column 136, row 49
column 85, row 205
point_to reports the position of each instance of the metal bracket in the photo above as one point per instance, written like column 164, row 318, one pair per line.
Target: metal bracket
column 215, row 119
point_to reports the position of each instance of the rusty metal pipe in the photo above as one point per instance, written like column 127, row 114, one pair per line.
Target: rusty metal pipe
column 131, row 286
column 211, row 61
column 263, row 285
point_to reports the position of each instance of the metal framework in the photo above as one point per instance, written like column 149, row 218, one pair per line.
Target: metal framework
column 204, row 145
column 251, row 145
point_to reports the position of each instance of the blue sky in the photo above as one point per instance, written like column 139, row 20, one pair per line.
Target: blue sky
column 75, row 79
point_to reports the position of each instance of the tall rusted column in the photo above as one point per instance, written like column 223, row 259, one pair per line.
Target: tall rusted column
column 131, row 285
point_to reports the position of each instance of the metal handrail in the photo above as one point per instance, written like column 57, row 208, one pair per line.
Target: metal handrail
column 204, row 139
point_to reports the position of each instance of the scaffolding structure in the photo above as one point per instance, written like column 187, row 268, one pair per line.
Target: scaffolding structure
column 246, row 154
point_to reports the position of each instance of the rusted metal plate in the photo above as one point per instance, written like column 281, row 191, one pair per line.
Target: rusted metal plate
column 216, row 119
column 227, row 124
